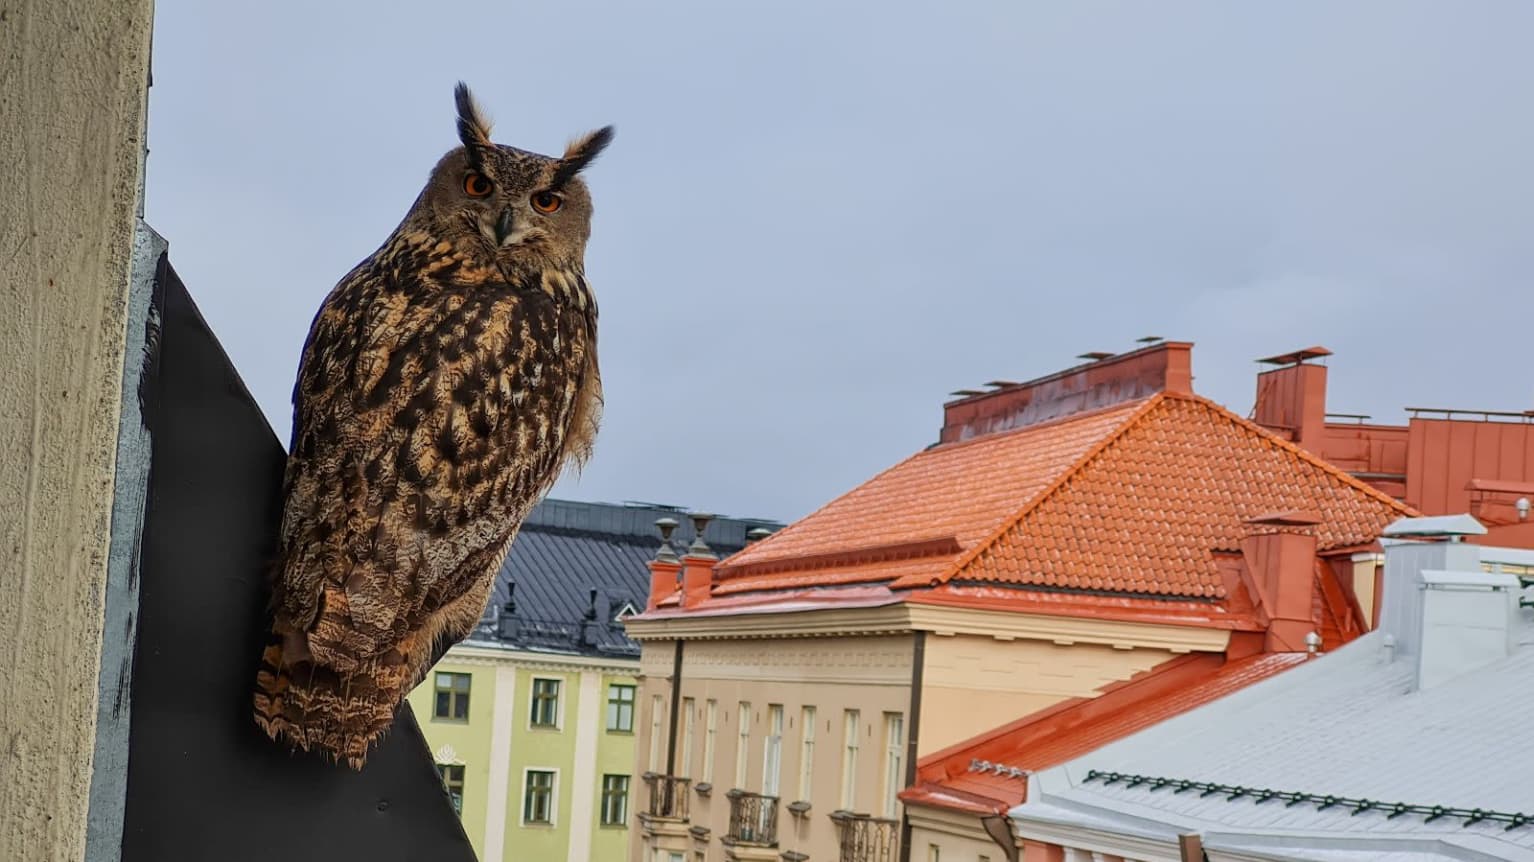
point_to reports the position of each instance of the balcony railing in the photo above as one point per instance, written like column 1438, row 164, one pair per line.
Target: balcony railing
column 753, row 819
column 668, row 796
column 866, row 839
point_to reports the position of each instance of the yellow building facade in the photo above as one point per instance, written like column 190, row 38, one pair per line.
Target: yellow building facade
column 537, row 750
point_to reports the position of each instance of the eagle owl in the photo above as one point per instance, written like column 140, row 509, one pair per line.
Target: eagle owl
column 445, row 382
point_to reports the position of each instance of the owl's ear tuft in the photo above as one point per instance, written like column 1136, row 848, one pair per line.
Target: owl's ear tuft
column 473, row 127
column 580, row 153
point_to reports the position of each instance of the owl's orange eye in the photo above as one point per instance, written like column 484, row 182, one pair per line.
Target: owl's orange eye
column 547, row 202
column 476, row 185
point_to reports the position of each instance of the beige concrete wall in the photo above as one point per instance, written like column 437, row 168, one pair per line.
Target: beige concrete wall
column 869, row 674
column 999, row 681
column 957, row 837
column 73, row 79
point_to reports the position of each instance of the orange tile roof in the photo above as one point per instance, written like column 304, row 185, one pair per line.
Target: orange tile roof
column 956, row 494
column 1130, row 499
column 1143, row 512
column 1078, row 726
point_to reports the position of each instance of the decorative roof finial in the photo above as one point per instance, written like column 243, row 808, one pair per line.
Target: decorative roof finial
column 700, row 548
column 666, row 553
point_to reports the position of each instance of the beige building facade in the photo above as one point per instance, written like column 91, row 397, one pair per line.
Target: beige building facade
column 793, row 733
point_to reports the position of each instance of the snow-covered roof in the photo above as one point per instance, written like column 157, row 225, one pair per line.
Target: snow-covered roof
column 1253, row 772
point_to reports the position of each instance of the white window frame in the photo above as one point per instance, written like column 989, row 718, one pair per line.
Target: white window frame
column 806, row 752
column 742, row 743
column 611, row 706
column 559, row 703
column 689, row 734
column 772, row 751
column 553, row 799
column 710, row 739
column 894, row 762
column 851, row 721
column 602, row 794
column 657, row 709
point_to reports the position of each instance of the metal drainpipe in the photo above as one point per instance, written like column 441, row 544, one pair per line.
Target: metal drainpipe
column 676, row 688
column 918, row 661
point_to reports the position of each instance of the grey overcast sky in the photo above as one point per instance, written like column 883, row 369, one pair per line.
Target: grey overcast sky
column 819, row 218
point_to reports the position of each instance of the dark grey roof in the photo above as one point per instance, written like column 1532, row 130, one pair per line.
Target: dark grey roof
column 568, row 549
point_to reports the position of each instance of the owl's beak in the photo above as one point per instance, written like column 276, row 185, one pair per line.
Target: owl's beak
column 504, row 226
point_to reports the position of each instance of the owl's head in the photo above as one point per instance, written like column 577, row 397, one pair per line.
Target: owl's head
column 513, row 205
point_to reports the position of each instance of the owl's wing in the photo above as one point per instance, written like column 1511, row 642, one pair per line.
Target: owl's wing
column 423, row 433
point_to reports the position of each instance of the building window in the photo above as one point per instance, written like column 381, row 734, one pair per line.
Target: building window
column 452, row 697
column 772, row 750
column 894, row 761
column 806, row 752
column 657, row 713
column 615, row 800
column 689, row 726
column 452, row 779
column 932, row 853
column 620, row 708
column 710, row 734
column 849, row 760
column 538, row 797
column 545, row 703
column 743, row 746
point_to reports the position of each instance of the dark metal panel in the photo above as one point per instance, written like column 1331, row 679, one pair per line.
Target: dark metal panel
column 203, row 782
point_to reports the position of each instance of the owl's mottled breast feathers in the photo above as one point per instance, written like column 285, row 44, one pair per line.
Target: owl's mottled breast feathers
column 437, row 397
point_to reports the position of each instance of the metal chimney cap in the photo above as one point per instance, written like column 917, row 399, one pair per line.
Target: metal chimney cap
column 756, row 534
column 1437, row 526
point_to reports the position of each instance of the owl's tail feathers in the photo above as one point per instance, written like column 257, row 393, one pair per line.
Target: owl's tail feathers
column 312, row 707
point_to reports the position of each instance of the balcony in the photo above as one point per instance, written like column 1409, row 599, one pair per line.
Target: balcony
column 862, row 838
column 668, row 797
column 753, row 819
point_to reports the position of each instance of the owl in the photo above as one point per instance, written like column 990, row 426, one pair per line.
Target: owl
column 445, row 383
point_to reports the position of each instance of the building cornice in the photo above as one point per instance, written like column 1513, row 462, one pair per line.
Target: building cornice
column 941, row 621
column 469, row 653
column 961, row 824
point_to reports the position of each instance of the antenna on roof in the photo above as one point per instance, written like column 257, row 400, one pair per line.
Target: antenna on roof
column 1000, row 384
column 1149, row 339
column 966, row 393
column 1094, row 356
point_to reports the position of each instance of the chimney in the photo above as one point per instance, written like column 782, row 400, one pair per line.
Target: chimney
column 698, row 565
column 1280, row 554
column 1291, row 399
column 1441, row 611
column 508, row 626
column 666, row 568
column 590, row 625
column 1163, row 366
